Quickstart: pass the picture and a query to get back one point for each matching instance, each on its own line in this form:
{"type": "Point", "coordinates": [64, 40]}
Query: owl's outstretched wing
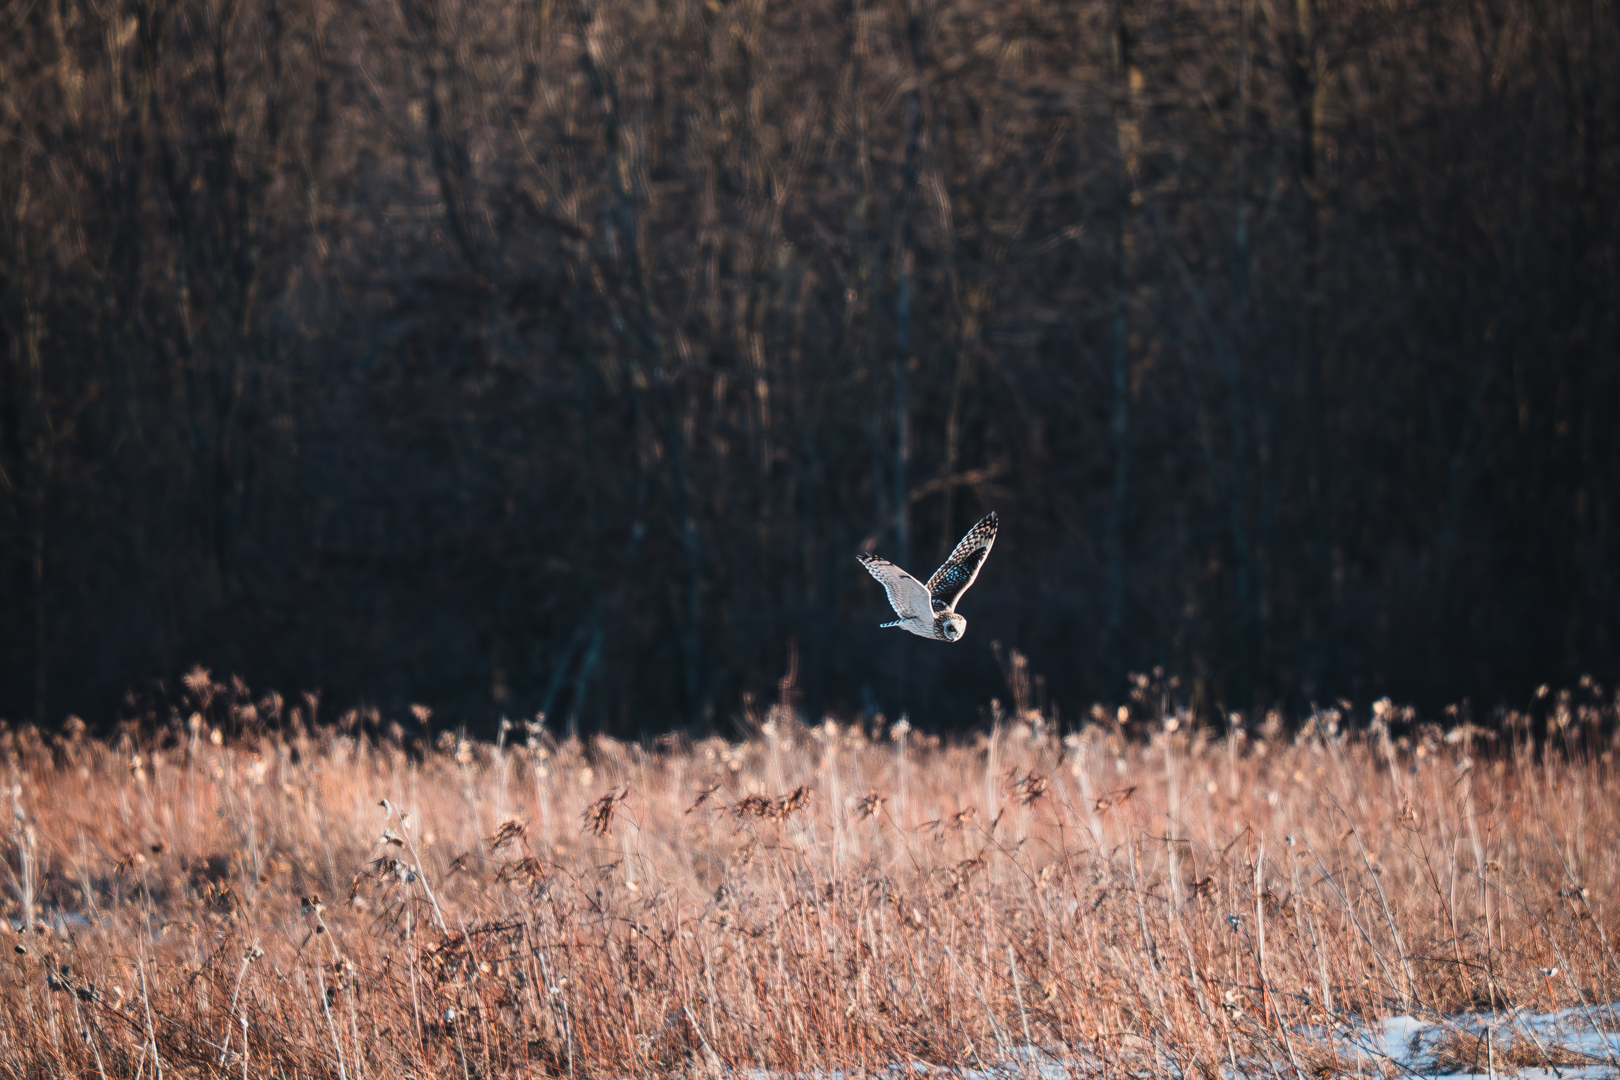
{"type": "Point", "coordinates": [952, 580]}
{"type": "Point", "coordinates": [908, 596]}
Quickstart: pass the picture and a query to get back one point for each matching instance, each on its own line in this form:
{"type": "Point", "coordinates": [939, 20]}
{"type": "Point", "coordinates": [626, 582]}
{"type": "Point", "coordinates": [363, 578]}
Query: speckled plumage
{"type": "Point", "coordinates": [930, 610]}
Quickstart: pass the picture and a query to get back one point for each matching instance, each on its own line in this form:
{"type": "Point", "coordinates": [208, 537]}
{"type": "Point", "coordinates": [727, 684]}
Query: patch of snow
{"type": "Point", "coordinates": [1570, 1044]}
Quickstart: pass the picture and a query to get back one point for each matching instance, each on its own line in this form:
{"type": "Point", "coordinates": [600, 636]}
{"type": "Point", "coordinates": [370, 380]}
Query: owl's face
{"type": "Point", "coordinates": [953, 626]}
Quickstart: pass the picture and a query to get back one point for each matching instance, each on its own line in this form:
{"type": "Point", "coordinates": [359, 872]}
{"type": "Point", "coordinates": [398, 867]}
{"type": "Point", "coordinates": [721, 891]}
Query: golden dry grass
{"type": "Point", "coordinates": [814, 898]}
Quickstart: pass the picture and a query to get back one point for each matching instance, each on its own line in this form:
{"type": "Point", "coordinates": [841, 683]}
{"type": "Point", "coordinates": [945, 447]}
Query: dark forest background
{"type": "Point", "coordinates": [522, 354]}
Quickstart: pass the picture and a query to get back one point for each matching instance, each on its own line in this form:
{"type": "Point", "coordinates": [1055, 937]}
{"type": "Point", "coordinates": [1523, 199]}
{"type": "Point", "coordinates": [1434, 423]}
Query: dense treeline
{"type": "Point", "coordinates": [554, 354]}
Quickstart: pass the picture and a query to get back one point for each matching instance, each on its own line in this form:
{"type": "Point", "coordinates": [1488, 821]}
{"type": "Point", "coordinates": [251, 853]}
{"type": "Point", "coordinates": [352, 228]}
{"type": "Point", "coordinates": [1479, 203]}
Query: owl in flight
{"type": "Point", "coordinates": [930, 610]}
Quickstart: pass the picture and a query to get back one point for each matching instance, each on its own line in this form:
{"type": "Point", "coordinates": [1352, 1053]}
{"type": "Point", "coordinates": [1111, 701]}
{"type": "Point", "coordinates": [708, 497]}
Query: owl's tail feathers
{"type": "Point", "coordinates": [896, 622]}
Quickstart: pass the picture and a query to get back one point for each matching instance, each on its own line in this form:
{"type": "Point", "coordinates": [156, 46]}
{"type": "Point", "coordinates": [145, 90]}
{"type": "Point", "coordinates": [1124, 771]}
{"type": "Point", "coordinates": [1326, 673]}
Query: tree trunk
{"type": "Point", "coordinates": [1128, 82]}
{"type": "Point", "coordinates": [1310, 74]}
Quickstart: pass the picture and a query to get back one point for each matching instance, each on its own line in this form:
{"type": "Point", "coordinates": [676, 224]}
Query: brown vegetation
{"type": "Point", "coordinates": [523, 354]}
{"type": "Point", "coordinates": [328, 903]}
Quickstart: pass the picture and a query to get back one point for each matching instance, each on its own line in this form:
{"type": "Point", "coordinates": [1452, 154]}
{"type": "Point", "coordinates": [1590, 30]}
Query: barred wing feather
{"type": "Point", "coordinates": [950, 581]}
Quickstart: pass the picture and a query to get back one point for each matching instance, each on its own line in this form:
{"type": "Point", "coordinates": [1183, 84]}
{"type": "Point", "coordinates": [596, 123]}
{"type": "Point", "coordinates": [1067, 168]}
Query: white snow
{"type": "Point", "coordinates": [1571, 1044]}
{"type": "Point", "coordinates": [1579, 1042]}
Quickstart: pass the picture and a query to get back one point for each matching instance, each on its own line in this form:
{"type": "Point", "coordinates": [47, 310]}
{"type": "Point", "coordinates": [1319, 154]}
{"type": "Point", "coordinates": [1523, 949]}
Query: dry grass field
{"type": "Point", "coordinates": [1132, 895]}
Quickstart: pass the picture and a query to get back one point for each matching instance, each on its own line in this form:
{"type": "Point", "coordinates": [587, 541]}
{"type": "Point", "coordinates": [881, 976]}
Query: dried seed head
{"type": "Point", "coordinates": [511, 829]}
{"type": "Point", "coordinates": [794, 800]}
{"type": "Point", "coordinates": [702, 797]}
{"type": "Point", "coordinates": [869, 804]}
{"type": "Point", "coordinates": [1033, 787]}
{"type": "Point", "coordinates": [598, 817]}
{"type": "Point", "coordinates": [756, 805]}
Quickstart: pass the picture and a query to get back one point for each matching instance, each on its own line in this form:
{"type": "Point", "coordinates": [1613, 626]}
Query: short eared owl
{"type": "Point", "coordinates": [930, 610]}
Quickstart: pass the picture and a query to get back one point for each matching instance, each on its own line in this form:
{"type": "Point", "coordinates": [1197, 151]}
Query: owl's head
{"type": "Point", "coordinates": [952, 625]}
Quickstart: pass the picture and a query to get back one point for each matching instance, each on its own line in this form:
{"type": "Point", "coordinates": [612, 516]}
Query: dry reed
{"type": "Point", "coordinates": [1134, 895]}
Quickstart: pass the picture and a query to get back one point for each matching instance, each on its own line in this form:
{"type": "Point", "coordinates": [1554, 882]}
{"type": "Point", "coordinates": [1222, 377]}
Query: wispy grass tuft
{"type": "Point", "coordinates": [1137, 894]}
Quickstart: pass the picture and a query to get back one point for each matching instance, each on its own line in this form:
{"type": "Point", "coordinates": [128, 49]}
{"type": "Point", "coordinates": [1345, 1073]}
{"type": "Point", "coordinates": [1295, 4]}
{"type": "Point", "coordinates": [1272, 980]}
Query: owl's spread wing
{"type": "Point", "coordinates": [908, 596]}
{"type": "Point", "coordinates": [952, 580]}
